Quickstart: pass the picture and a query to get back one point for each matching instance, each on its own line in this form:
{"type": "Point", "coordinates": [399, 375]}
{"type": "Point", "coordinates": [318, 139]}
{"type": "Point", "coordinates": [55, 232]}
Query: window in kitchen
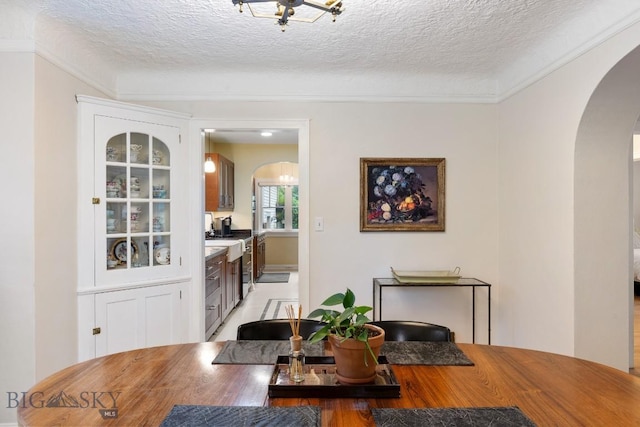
{"type": "Point", "coordinates": [278, 208]}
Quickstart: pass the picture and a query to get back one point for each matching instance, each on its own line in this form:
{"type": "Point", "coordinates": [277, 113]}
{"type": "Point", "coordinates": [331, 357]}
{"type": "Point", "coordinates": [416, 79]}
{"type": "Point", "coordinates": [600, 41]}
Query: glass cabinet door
{"type": "Point", "coordinates": [138, 207]}
{"type": "Point", "coordinates": [135, 219]}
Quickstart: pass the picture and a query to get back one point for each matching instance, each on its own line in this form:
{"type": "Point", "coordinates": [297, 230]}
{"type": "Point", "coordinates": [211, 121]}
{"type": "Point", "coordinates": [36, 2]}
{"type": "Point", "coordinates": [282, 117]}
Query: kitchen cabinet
{"type": "Point", "coordinates": [259, 258]}
{"type": "Point", "coordinates": [132, 233]}
{"type": "Point", "coordinates": [215, 278]}
{"type": "Point", "coordinates": [220, 185]}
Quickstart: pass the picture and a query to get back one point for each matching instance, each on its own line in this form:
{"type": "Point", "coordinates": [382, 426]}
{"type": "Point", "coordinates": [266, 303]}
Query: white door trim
{"type": "Point", "coordinates": [196, 205]}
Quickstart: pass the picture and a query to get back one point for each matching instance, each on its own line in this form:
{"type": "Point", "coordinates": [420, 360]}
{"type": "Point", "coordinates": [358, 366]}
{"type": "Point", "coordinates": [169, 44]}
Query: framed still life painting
{"type": "Point", "coordinates": [402, 194]}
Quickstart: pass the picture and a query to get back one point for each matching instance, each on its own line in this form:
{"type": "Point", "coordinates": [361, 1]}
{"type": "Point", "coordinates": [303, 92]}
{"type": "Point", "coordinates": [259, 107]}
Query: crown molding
{"type": "Point", "coordinates": [425, 99]}
{"type": "Point", "coordinates": [131, 107]}
{"type": "Point", "coordinates": [75, 71]}
{"type": "Point", "coordinates": [595, 41]}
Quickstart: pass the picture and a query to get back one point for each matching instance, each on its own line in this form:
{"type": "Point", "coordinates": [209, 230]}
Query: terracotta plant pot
{"type": "Point", "coordinates": [350, 356]}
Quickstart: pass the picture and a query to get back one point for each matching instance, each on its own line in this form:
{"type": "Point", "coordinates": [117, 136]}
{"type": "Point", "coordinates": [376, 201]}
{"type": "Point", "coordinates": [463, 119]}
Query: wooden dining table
{"type": "Point", "coordinates": [140, 388]}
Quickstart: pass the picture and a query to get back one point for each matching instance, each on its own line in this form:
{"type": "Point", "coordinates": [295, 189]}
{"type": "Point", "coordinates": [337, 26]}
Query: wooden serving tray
{"type": "Point", "coordinates": [320, 380]}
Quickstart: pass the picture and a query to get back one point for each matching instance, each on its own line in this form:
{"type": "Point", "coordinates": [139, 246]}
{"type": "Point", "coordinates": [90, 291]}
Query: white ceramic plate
{"type": "Point", "coordinates": [163, 255]}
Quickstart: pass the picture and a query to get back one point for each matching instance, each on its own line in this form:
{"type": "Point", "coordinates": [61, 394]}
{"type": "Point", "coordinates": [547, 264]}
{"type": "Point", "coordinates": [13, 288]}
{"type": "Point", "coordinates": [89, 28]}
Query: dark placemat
{"type": "Point", "coordinates": [261, 352]}
{"type": "Point", "coordinates": [435, 353]}
{"type": "Point", "coordinates": [454, 417]}
{"type": "Point", "coordinates": [242, 416]}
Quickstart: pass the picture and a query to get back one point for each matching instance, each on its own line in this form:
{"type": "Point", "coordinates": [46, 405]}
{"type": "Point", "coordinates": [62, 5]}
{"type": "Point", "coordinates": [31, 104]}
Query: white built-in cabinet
{"type": "Point", "coordinates": [136, 318]}
{"type": "Point", "coordinates": [132, 236]}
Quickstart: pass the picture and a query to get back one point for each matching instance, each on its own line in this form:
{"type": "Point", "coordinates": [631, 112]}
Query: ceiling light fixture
{"type": "Point", "coordinates": [285, 178]}
{"type": "Point", "coordinates": [266, 134]}
{"type": "Point", "coordinates": [209, 166]}
{"type": "Point", "coordinates": [285, 10]}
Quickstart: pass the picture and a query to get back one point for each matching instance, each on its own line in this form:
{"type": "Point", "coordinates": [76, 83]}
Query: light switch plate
{"type": "Point", "coordinates": [318, 224]}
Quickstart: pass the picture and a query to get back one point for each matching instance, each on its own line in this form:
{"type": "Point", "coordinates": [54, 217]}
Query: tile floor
{"type": "Point", "coordinates": [266, 301]}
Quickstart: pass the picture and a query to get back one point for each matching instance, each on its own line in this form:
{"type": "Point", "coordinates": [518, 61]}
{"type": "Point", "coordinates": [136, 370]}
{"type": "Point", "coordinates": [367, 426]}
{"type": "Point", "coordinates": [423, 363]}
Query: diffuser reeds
{"type": "Point", "coordinates": [296, 355]}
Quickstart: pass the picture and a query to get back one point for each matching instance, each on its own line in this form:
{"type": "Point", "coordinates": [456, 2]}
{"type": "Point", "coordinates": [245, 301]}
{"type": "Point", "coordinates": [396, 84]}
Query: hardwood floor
{"type": "Point", "coordinates": [636, 337]}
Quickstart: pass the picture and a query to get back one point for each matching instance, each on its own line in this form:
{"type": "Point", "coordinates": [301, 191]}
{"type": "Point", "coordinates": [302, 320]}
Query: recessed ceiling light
{"type": "Point", "coordinates": [266, 134]}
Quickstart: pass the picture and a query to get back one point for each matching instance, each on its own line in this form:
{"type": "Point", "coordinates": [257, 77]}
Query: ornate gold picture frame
{"type": "Point", "coordinates": [402, 194]}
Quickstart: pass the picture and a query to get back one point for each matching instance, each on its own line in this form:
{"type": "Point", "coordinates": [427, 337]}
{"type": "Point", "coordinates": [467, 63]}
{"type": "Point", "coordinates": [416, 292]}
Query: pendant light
{"type": "Point", "coordinates": [285, 178]}
{"type": "Point", "coordinates": [209, 166]}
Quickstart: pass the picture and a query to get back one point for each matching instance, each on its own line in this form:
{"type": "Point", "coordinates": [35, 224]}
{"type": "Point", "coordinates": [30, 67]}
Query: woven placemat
{"type": "Point", "coordinates": [242, 416]}
{"type": "Point", "coordinates": [458, 417]}
{"type": "Point", "coordinates": [261, 352]}
{"type": "Point", "coordinates": [435, 353]}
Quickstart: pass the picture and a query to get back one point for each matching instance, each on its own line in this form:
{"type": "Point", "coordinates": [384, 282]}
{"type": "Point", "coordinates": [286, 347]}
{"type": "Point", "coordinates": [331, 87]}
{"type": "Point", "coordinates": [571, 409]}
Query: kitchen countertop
{"type": "Point", "coordinates": [213, 251]}
{"type": "Point", "coordinates": [230, 244]}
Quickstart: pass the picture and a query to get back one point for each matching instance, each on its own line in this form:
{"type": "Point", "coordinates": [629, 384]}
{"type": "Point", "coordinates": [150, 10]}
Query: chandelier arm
{"type": "Point", "coordinates": [322, 7]}
{"type": "Point", "coordinates": [285, 15]}
{"type": "Point", "coordinates": [251, 1]}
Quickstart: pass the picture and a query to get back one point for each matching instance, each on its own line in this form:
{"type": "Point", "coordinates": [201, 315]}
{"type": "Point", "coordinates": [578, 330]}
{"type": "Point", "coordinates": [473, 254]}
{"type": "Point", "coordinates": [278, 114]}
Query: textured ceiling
{"type": "Point", "coordinates": [407, 49]}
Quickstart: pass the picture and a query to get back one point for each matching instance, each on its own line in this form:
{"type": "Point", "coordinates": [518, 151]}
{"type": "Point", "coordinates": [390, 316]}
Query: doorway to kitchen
{"type": "Point", "coordinates": [242, 216]}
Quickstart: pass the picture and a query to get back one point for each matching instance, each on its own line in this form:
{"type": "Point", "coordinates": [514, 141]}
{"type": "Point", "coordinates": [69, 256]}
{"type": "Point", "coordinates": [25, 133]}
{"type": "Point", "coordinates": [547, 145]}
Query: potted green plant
{"type": "Point", "coordinates": [355, 343]}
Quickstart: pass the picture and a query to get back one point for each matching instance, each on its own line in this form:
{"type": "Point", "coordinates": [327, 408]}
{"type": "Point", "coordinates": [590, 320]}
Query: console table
{"type": "Point", "coordinates": [380, 284]}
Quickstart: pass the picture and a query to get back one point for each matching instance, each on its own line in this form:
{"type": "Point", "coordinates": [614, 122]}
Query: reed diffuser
{"type": "Point", "coordinates": [296, 354]}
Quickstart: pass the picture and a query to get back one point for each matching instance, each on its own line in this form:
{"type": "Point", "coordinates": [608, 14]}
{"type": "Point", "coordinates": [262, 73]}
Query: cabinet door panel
{"type": "Point", "coordinates": [213, 312]}
{"type": "Point", "coordinates": [137, 318]}
{"type": "Point", "coordinates": [119, 323]}
{"type": "Point", "coordinates": [219, 185]}
{"type": "Point", "coordinates": [160, 319]}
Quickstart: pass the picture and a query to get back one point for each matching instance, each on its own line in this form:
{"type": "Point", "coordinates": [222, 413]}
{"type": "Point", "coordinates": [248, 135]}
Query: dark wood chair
{"type": "Point", "coordinates": [401, 330]}
{"type": "Point", "coordinates": [275, 329]}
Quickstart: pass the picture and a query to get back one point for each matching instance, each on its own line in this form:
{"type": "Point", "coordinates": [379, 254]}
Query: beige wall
{"type": "Point", "coordinates": [340, 133]}
{"type": "Point", "coordinates": [562, 291]}
{"type": "Point", "coordinates": [17, 252]}
{"type": "Point", "coordinates": [55, 215]}
{"type": "Point", "coordinates": [281, 251]}
{"type": "Point", "coordinates": [38, 307]}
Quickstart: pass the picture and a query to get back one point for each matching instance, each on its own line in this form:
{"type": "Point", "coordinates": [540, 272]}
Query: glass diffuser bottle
{"type": "Point", "coordinates": [296, 359]}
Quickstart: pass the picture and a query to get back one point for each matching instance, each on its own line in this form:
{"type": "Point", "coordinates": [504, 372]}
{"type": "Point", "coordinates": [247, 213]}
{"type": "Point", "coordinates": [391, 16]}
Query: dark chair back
{"type": "Point", "coordinates": [275, 329]}
{"type": "Point", "coordinates": [400, 330]}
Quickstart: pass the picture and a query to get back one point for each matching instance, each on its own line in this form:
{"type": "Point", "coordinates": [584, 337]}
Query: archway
{"type": "Point", "coordinates": [602, 217]}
